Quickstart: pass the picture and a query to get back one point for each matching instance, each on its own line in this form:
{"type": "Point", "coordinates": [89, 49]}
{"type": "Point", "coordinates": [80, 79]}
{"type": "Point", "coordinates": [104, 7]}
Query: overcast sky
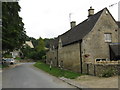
{"type": "Point", "coordinates": [50, 18]}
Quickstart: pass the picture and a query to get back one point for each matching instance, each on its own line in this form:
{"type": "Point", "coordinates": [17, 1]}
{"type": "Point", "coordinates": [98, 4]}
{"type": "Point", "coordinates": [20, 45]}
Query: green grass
{"type": "Point", "coordinates": [4, 66]}
{"type": "Point", "coordinates": [0, 65]}
{"type": "Point", "coordinates": [56, 71]}
{"type": "Point", "coordinates": [18, 58]}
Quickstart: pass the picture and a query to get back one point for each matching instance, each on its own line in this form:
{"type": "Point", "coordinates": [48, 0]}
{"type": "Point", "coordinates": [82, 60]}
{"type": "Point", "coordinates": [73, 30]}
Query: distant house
{"type": "Point", "coordinates": [29, 43]}
{"type": "Point", "coordinates": [92, 40]}
{"type": "Point", "coordinates": [17, 53]}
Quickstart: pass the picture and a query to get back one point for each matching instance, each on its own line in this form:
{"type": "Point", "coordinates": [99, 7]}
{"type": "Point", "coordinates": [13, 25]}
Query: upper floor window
{"type": "Point", "coordinates": [108, 37]}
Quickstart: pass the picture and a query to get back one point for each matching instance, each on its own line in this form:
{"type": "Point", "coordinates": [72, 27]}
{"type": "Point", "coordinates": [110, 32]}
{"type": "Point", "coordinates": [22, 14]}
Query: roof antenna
{"type": "Point", "coordinates": [112, 4]}
{"type": "Point", "coordinates": [70, 17]}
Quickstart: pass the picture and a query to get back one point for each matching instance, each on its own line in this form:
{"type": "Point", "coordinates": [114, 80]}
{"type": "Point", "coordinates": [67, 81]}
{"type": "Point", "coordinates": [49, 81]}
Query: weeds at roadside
{"type": "Point", "coordinates": [55, 71]}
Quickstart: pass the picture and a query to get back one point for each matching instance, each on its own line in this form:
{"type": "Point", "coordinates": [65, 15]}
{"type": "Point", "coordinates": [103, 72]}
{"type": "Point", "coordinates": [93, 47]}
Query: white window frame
{"type": "Point", "coordinates": [108, 37]}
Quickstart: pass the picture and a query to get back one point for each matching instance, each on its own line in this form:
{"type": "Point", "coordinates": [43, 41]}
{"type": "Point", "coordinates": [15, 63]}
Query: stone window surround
{"type": "Point", "coordinates": [108, 37]}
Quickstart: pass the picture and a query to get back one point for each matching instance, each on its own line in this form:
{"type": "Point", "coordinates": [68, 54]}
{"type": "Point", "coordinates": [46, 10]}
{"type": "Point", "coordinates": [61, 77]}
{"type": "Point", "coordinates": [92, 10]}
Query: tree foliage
{"type": "Point", "coordinates": [36, 53]}
{"type": "Point", "coordinates": [13, 33]}
{"type": "Point", "coordinates": [47, 42]}
{"type": "Point", "coordinates": [39, 50]}
{"type": "Point", "coordinates": [41, 45]}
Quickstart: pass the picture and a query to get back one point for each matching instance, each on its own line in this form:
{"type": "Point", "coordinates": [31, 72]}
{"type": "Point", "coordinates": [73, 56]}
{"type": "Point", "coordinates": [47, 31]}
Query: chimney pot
{"type": "Point", "coordinates": [90, 12]}
{"type": "Point", "coordinates": [73, 24]}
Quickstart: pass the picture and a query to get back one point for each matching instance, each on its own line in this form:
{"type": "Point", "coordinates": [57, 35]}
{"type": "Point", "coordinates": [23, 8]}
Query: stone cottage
{"type": "Point", "coordinates": [93, 40]}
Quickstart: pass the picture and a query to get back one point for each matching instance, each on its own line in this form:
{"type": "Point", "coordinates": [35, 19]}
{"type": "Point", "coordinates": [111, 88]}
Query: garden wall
{"type": "Point", "coordinates": [101, 69]}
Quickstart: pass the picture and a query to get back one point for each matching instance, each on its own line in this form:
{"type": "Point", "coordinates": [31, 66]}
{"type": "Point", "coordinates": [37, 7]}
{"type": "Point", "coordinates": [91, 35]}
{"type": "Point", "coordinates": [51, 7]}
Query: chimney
{"type": "Point", "coordinates": [73, 24]}
{"type": "Point", "coordinates": [90, 12]}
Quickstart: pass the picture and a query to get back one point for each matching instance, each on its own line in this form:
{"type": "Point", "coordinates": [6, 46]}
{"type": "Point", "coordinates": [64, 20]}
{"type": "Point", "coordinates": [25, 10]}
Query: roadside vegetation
{"type": "Point", "coordinates": [56, 71]}
{"type": "Point", "coordinates": [39, 51]}
{"type": "Point", "coordinates": [0, 65]}
{"type": "Point", "coordinates": [17, 58]}
{"type": "Point", "coordinates": [4, 66]}
{"type": "Point", "coordinates": [14, 35]}
{"type": "Point", "coordinates": [108, 73]}
{"type": "Point", "coordinates": [13, 31]}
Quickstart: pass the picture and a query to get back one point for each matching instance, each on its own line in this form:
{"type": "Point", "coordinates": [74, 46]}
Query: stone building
{"type": "Point", "coordinates": [18, 53]}
{"type": "Point", "coordinates": [95, 39]}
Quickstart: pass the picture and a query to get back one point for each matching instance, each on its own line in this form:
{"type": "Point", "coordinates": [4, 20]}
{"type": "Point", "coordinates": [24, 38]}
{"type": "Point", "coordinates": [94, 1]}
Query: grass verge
{"type": "Point", "coordinates": [56, 71]}
{"type": "Point", "coordinates": [17, 58]}
{"type": "Point", "coordinates": [3, 66]}
{"type": "Point", "coordinates": [0, 65]}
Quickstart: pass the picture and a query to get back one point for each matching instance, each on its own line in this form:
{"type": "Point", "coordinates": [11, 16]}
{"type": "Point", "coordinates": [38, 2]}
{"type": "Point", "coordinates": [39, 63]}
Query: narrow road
{"type": "Point", "coordinates": [27, 76]}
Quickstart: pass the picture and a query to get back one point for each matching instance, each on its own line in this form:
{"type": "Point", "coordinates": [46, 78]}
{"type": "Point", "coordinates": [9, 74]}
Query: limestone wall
{"type": "Point", "coordinates": [100, 69]}
{"type": "Point", "coordinates": [94, 45]}
{"type": "Point", "coordinates": [70, 56]}
{"type": "Point", "coordinates": [52, 56]}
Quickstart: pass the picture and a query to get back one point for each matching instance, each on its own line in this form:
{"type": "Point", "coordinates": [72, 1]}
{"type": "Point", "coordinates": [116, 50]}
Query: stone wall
{"type": "Point", "coordinates": [94, 45]}
{"type": "Point", "coordinates": [52, 56]}
{"type": "Point", "coordinates": [100, 69]}
{"type": "Point", "coordinates": [70, 57]}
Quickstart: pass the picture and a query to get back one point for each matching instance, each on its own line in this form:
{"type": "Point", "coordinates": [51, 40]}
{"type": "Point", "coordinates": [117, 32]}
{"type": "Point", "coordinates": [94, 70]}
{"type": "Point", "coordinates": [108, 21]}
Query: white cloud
{"type": "Point", "coordinates": [50, 18]}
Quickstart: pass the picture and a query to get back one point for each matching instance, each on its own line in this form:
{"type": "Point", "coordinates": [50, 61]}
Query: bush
{"type": "Point", "coordinates": [7, 55]}
{"type": "Point", "coordinates": [18, 58]}
{"type": "Point", "coordinates": [31, 53]}
{"type": "Point", "coordinates": [4, 65]}
{"type": "Point", "coordinates": [108, 73]}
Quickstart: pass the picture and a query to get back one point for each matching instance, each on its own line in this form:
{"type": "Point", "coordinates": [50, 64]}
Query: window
{"type": "Point", "coordinates": [108, 37]}
{"type": "Point", "coordinates": [100, 59]}
{"type": "Point", "coordinates": [106, 12]}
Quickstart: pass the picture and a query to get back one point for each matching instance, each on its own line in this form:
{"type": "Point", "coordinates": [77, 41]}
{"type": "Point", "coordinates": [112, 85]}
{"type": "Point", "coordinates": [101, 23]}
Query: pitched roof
{"type": "Point", "coordinates": [54, 42]}
{"type": "Point", "coordinates": [78, 32]}
{"type": "Point", "coordinates": [118, 24]}
{"type": "Point", "coordinates": [29, 43]}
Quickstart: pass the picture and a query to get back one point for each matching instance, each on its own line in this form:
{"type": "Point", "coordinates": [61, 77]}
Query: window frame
{"type": "Point", "coordinates": [108, 37]}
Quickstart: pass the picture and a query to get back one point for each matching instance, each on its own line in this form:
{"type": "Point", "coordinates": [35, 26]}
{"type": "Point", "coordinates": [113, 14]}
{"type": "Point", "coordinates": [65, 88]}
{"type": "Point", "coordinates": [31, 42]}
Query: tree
{"type": "Point", "coordinates": [47, 42]}
{"type": "Point", "coordinates": [13, 32]}
{"type": "Point", "coordinates": [41, 45]}
{"type": "Point", "coordinates": [36, 53]}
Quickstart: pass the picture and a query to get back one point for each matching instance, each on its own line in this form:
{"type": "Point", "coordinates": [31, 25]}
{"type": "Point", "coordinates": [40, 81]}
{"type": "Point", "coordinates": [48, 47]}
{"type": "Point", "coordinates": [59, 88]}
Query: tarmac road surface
{"type": "Point", "coordinates": [27, 76]}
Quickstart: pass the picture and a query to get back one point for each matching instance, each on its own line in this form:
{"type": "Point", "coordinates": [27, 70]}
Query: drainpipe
{"type": "Point", "coordinates": [80, 56]}
{"type": "Point", "coordinates": [110, 55]}
{"type": "Point", "coordinates": [109, 50]}
{"type": "Point", "coordinates": [57, 57]}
